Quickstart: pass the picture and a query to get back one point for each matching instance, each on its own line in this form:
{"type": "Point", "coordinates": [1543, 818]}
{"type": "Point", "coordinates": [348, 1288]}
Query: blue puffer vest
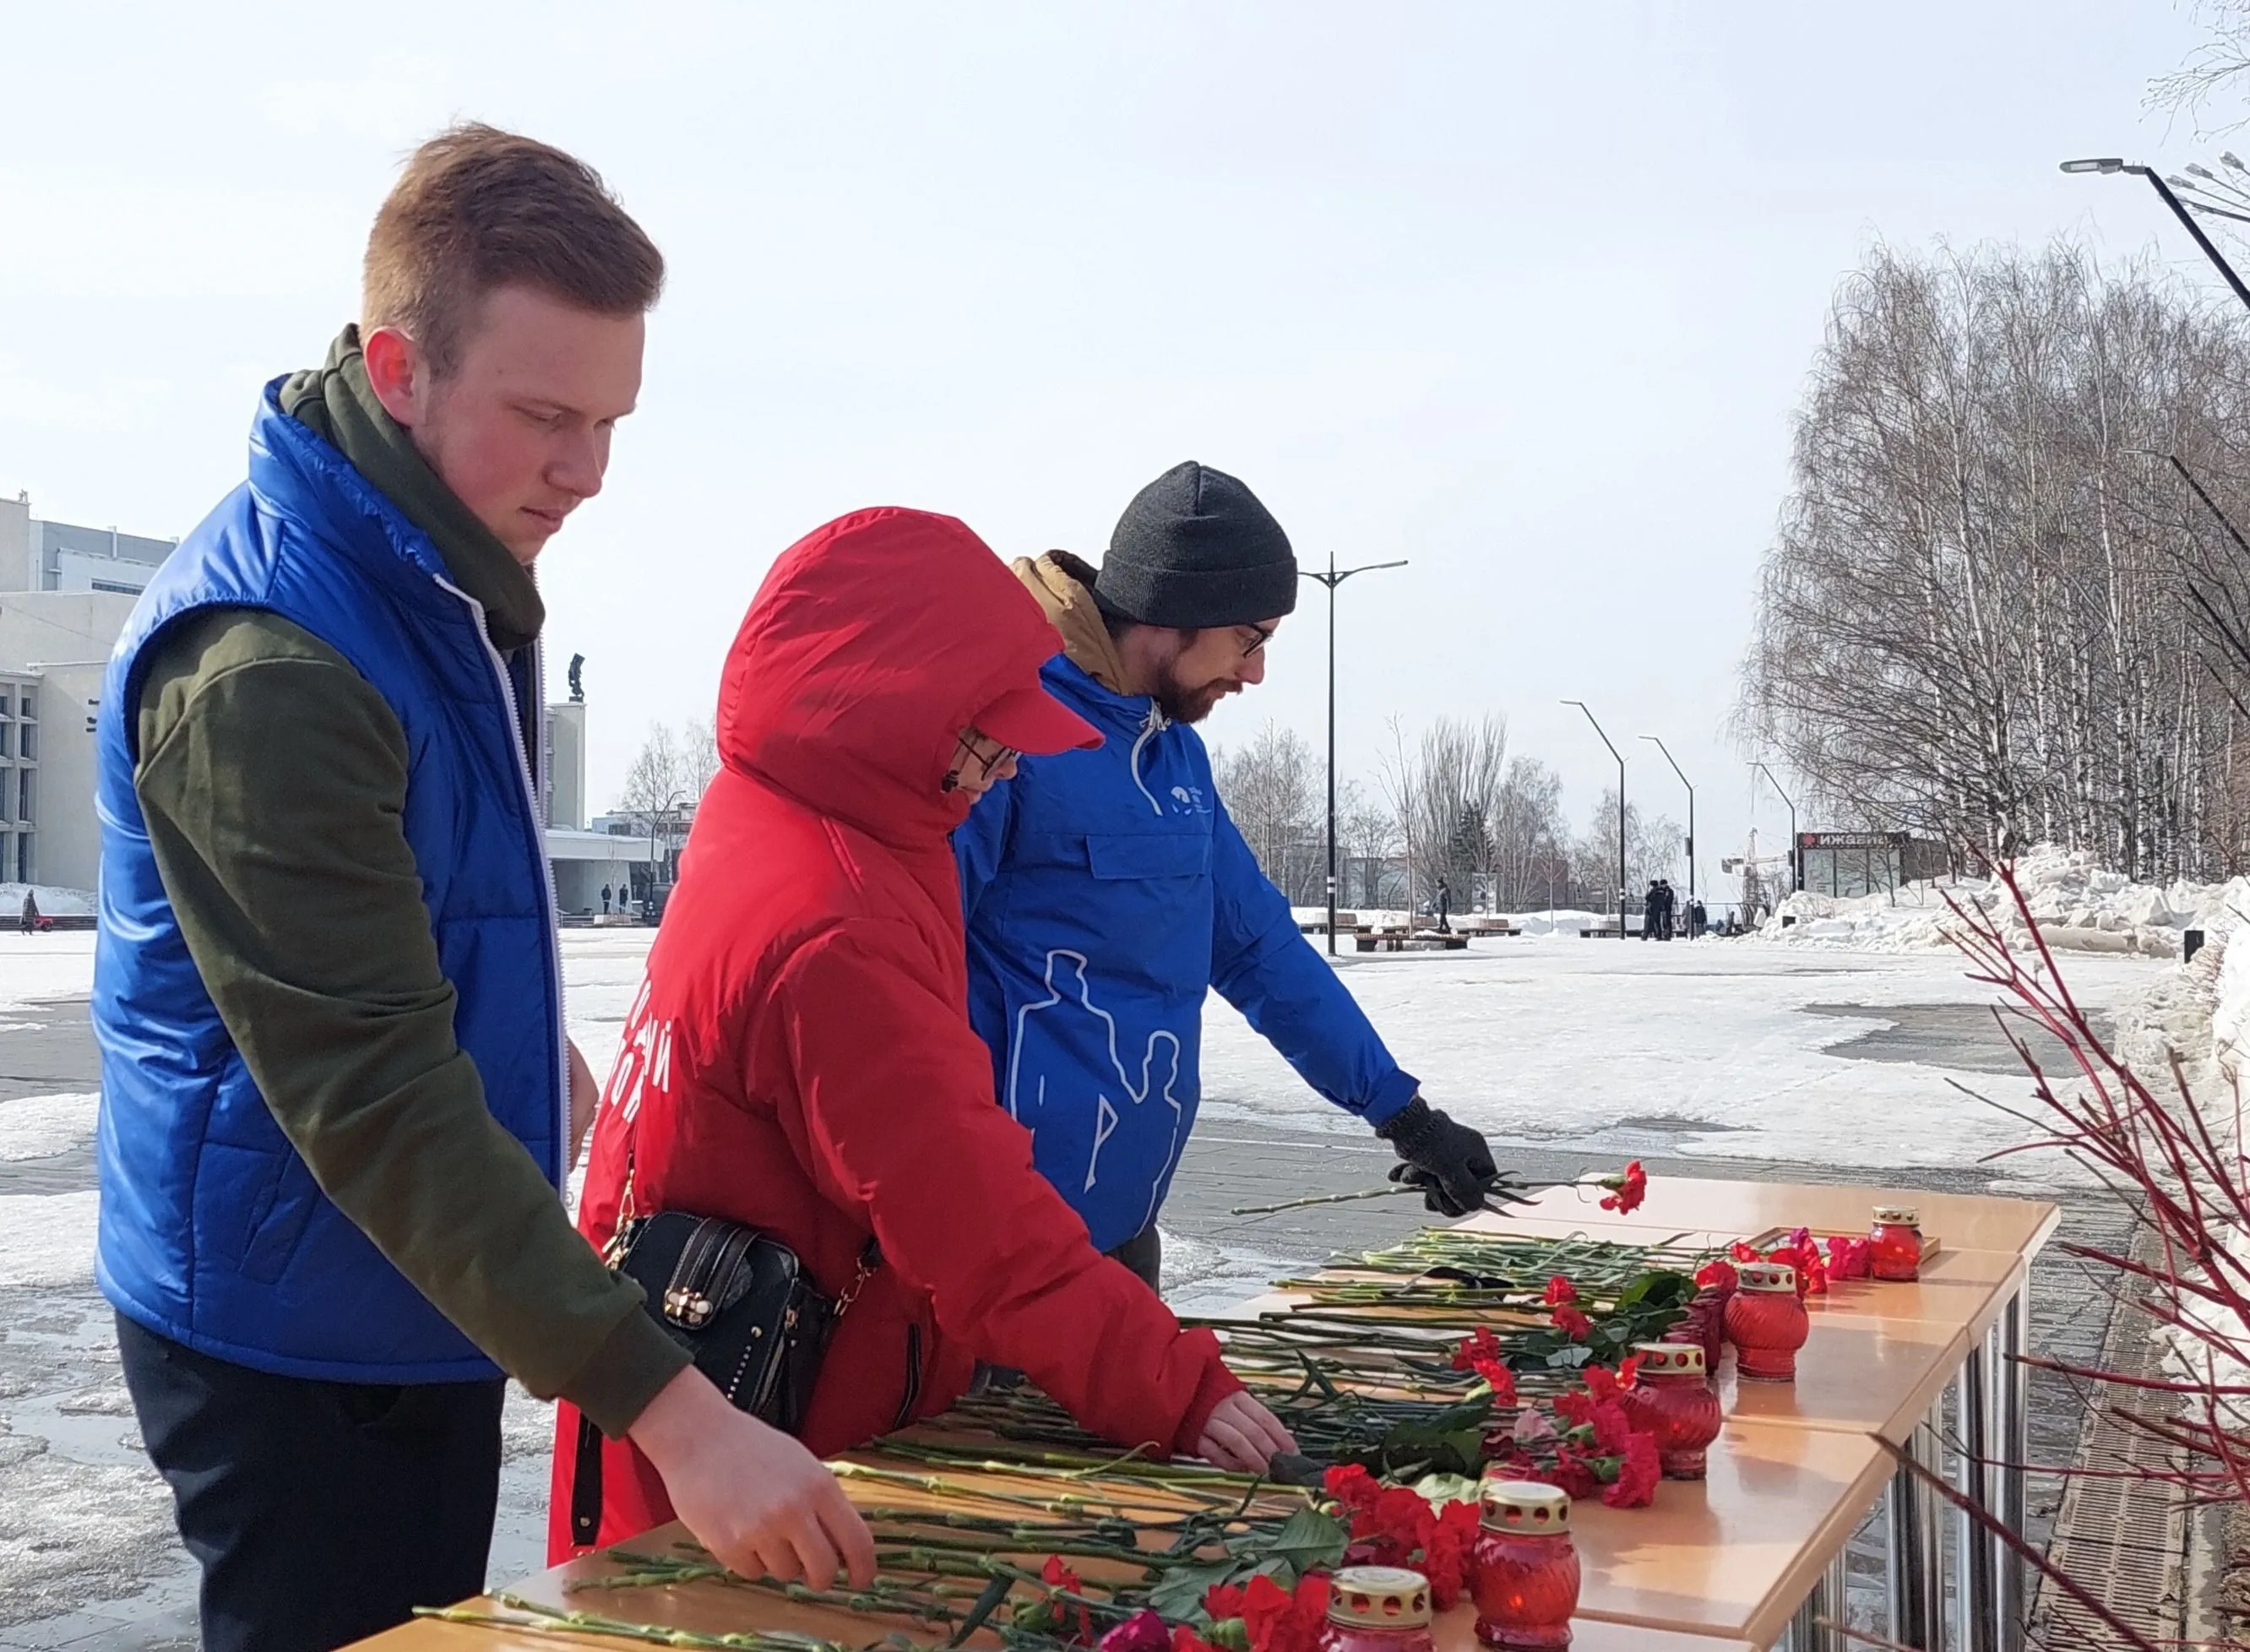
{"type": "Point", "coordinates": [212, 1231]}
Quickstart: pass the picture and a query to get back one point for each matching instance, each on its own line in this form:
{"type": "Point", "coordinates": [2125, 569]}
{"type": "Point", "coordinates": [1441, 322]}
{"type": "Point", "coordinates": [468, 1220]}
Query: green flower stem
{"type": "Point", "coordinates": [554, 1621]}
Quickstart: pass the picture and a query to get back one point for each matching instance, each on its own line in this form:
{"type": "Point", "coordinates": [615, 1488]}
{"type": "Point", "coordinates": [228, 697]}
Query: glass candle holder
{"type": "Point", "coordinates": [1705, 1326]}
{"type": "Point", "coordinates": [1895, 1239]}
{"type": "Point", "coordinates": [1767, 1322]}
{"type": "Point", "coordinates": [1525, 1580]}
{"type": "Point", "coordinates": [1672, 1399]}
{"type": "Point", "coordinates": [1378, 1609]}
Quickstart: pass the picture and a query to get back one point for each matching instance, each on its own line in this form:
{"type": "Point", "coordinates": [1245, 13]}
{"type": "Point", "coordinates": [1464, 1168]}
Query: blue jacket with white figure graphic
{"type": "Point", "coordinates": [1107, 893]}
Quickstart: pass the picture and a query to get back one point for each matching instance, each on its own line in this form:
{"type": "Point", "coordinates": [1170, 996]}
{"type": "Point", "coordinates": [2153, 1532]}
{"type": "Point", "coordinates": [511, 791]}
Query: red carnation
{"type": "Point", "coordinates": [1630, 1189]}
{"type": "Point", "coordinates": [1850, 1258]}
{"type": "Point", "coordinates": [1481, 1353]}
{"type": "Point", "coordinates": [1280, 1621]}
{"type": "Point", "coordinates": [1720, 1274]}
{"type": "Point", "coordinates": [1064, 1580]}
{"type": "Point", "coordinates": [1144, 1632]}
{"type": "Point", "coordinates": [1559, 1291]}
{"type": "Point", "coordinates": [1604, 1383]}
{"type": "Point", "coordinates": [1446, 1552]}
{"type": "Point", "coordinates": [1638, 1472]}
{"type": "Point", "coordinates": [1572, 1323]}
{"type": "Point", "coordinates": [1352, 1486]}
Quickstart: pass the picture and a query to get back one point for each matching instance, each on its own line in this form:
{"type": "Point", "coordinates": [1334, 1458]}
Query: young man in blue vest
{"type": "Point", "coordinates": [338, 1101]}
{"type": "Point", "coordinates": [1108, 893]}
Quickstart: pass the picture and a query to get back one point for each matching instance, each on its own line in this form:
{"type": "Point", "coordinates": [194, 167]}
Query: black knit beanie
{"type": "Point", "coordinates": [1195, 548]}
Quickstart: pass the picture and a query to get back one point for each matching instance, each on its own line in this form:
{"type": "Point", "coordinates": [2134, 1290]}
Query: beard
{"type": "Point", "coordinates": [1183, 702]}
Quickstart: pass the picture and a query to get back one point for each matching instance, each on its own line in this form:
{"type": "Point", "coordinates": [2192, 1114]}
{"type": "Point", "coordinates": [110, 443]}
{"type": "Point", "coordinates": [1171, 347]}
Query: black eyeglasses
{"type": "Point", "coordinates": [964, 750]}
{"type": "Point", "coordinates": [1258, 640]}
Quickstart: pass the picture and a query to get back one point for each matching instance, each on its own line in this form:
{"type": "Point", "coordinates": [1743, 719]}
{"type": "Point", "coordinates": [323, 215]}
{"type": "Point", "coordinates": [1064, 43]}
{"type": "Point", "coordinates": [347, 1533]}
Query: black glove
{"type": "Point", "coordinates": [1449, 1162]}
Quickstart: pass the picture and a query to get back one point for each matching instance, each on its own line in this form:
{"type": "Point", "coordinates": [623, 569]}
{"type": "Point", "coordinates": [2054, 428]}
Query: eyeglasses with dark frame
{"type": "Point", "coordinates": [967, 747]}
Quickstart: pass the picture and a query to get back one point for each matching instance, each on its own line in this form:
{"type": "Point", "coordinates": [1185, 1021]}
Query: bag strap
{"type": "Point", "coordinates": [871, 1258]}
{"type": "Point", "coordinates": [586, 1486]}
{"type": "Point", "coordinates": [586, 1474]}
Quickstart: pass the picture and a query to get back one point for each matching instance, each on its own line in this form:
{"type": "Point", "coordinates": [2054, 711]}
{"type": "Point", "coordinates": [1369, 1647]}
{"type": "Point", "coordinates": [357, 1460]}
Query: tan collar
{"type": "Point", "coordinates": [1064, 587]}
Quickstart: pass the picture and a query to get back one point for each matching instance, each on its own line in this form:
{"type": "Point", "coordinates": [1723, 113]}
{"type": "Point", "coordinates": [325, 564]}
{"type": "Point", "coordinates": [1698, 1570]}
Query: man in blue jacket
{"type": "Point", "coordinates": [1107, 892]}
{"type": "Point", "coordinates": [338, 1101]}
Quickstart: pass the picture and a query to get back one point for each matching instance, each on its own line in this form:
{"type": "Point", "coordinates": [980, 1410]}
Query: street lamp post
{"type": "Point", "coordinates": [1796, 855]}
{"type": "Point", "coordinates": [2111, 163]}
{"type": "Point", "coordinates": [1332, 578]}
{"type": "Point", "coordinates": [1619, 756]}
{"type": "Point", "coordinates": [1684, 781]}
{"type": "Point", "coordinates": [667, 815]}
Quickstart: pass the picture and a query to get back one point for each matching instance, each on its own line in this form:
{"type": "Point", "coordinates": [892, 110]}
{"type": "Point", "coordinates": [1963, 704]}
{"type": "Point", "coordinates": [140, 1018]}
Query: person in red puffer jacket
{"type": "Point", "coordinates": [800, 1059]}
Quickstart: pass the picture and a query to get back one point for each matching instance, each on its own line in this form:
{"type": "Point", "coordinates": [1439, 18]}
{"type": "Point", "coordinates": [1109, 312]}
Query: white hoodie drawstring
{"type": "Point", "coordinates": [1149, 729]}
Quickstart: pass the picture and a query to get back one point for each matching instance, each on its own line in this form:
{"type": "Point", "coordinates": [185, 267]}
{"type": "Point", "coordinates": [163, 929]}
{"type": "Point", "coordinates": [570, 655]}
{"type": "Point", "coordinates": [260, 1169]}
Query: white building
{"type": "Point", "coordinates": [44, 556]}
{"type": "Point", "coordinates": [66, 593]}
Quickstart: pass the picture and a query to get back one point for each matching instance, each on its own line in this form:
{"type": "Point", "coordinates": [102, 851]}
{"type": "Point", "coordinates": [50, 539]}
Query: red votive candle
{"type": "Point", "coordinates": [1767, 1322]}
{"type": "Point", "coordinates": [1525, 1574]}
{"type": "Point", "coordinates": [1896, 1241]}
{"type": "Point", "coordinates": [1672, 1399]}
{"type": "Point", "coordinates": [1378, 1609]}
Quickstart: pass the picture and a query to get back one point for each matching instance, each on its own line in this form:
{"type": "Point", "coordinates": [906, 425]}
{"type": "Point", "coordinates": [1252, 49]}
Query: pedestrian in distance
{"type": "Point", "coordinates": [800, 1060]}
{"type": "Point", "coordinates": [28, 918]}
{"type": "Point", "coordinates": [606, 899]}
{"type": "Point", "coordinates": [337, 1097]}
{"type": "Point", "coordinates": [1108, 893]}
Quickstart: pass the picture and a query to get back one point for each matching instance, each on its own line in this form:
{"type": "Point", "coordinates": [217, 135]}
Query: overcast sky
{"type": "Point", "coordinates": [1524, 296]}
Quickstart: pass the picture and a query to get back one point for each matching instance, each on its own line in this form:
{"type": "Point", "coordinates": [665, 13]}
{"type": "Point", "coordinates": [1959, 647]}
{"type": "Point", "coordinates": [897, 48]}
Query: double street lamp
{"type": "Point", "coordinates": [1332, 578]}
{"type": "Point", "coordinates": [2111, 164]}
{"type": "Point", "coordinates": [1619, 756]}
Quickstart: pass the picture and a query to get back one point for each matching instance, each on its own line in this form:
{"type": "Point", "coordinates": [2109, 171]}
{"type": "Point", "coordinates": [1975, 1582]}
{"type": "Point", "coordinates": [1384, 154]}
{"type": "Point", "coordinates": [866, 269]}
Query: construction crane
{"type": "Point", "coordinates": [1754, 894]}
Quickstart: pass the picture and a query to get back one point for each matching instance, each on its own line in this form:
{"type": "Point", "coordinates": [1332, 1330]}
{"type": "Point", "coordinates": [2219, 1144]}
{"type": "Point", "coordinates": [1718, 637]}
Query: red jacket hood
{"type": "Point", "coordinates": [873, 642]}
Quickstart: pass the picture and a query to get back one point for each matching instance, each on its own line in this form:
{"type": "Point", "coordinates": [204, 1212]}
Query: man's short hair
{"type": "Point", "coordinates": [478, 209]}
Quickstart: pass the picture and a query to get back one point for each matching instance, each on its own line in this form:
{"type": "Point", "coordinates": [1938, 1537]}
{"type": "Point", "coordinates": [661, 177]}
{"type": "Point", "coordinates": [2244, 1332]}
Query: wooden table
{"type": "Point", "coordinates": [1973, 1297]}
{"type": "Point", "coordinates": [1713, 1566]}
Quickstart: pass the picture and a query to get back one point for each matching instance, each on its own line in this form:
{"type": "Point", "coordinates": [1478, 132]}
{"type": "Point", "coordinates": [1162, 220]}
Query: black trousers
{"type": "Point", "coordinates": [320, 1512]}
{"type": "Point", "coordinates": [1145, 1254]}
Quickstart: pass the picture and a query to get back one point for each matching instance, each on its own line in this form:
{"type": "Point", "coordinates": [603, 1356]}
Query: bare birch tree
{"type": "Point", "coordinates": [660, 785]}
{"type": "Point", "coordinates": [1974, 621]}
{"type": "Point", "coordinates": [1275, 790]}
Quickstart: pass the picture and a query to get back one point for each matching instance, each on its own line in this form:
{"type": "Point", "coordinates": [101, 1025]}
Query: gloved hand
{"type": "Point", "coordinates": [1449, 1162]}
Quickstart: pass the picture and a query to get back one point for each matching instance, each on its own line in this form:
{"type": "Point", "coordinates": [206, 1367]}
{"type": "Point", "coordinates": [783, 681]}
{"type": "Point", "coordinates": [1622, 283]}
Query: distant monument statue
{"type": "Point", "coordinates": [578, 688]}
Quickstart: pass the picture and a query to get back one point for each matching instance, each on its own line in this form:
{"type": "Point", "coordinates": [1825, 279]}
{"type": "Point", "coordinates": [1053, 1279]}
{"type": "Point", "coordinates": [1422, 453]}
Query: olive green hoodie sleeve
{"type": "Point", "coordinates": [272, 778]}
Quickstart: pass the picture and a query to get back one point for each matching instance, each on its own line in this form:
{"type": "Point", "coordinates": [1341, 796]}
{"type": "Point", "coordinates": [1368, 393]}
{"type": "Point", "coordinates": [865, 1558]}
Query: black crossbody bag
{"type": "Point", "coordinates": [742, 1306]}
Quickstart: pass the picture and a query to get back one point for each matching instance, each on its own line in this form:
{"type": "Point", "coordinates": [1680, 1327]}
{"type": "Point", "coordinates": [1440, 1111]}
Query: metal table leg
{"type": "Point", "coordinates": [2011, 1438]}
{"type": "Point", "coordinates": [1826, 1600]}
{"type": "Point", "coordinates": [1976, 1601]}
{"type": "Point", "coordinates": [1915, 1581]}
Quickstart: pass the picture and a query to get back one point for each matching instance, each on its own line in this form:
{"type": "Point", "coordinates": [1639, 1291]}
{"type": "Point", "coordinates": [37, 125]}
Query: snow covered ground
{"type": "Point", "coordinates": [1706, 1044]}
{"type": "Point", "coordinates": [1714, 1051]}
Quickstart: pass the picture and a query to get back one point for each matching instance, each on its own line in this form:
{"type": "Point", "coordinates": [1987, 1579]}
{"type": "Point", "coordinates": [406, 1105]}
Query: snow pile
{"type": "Point", "coordinates": [2078, 905]}
{"type": "Point", "coordinates": [42, 1126]}
{"type": "Point", "coordinates": [1562, 922]}
{"type": "Point", "coordinates": [2230, 1011]}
